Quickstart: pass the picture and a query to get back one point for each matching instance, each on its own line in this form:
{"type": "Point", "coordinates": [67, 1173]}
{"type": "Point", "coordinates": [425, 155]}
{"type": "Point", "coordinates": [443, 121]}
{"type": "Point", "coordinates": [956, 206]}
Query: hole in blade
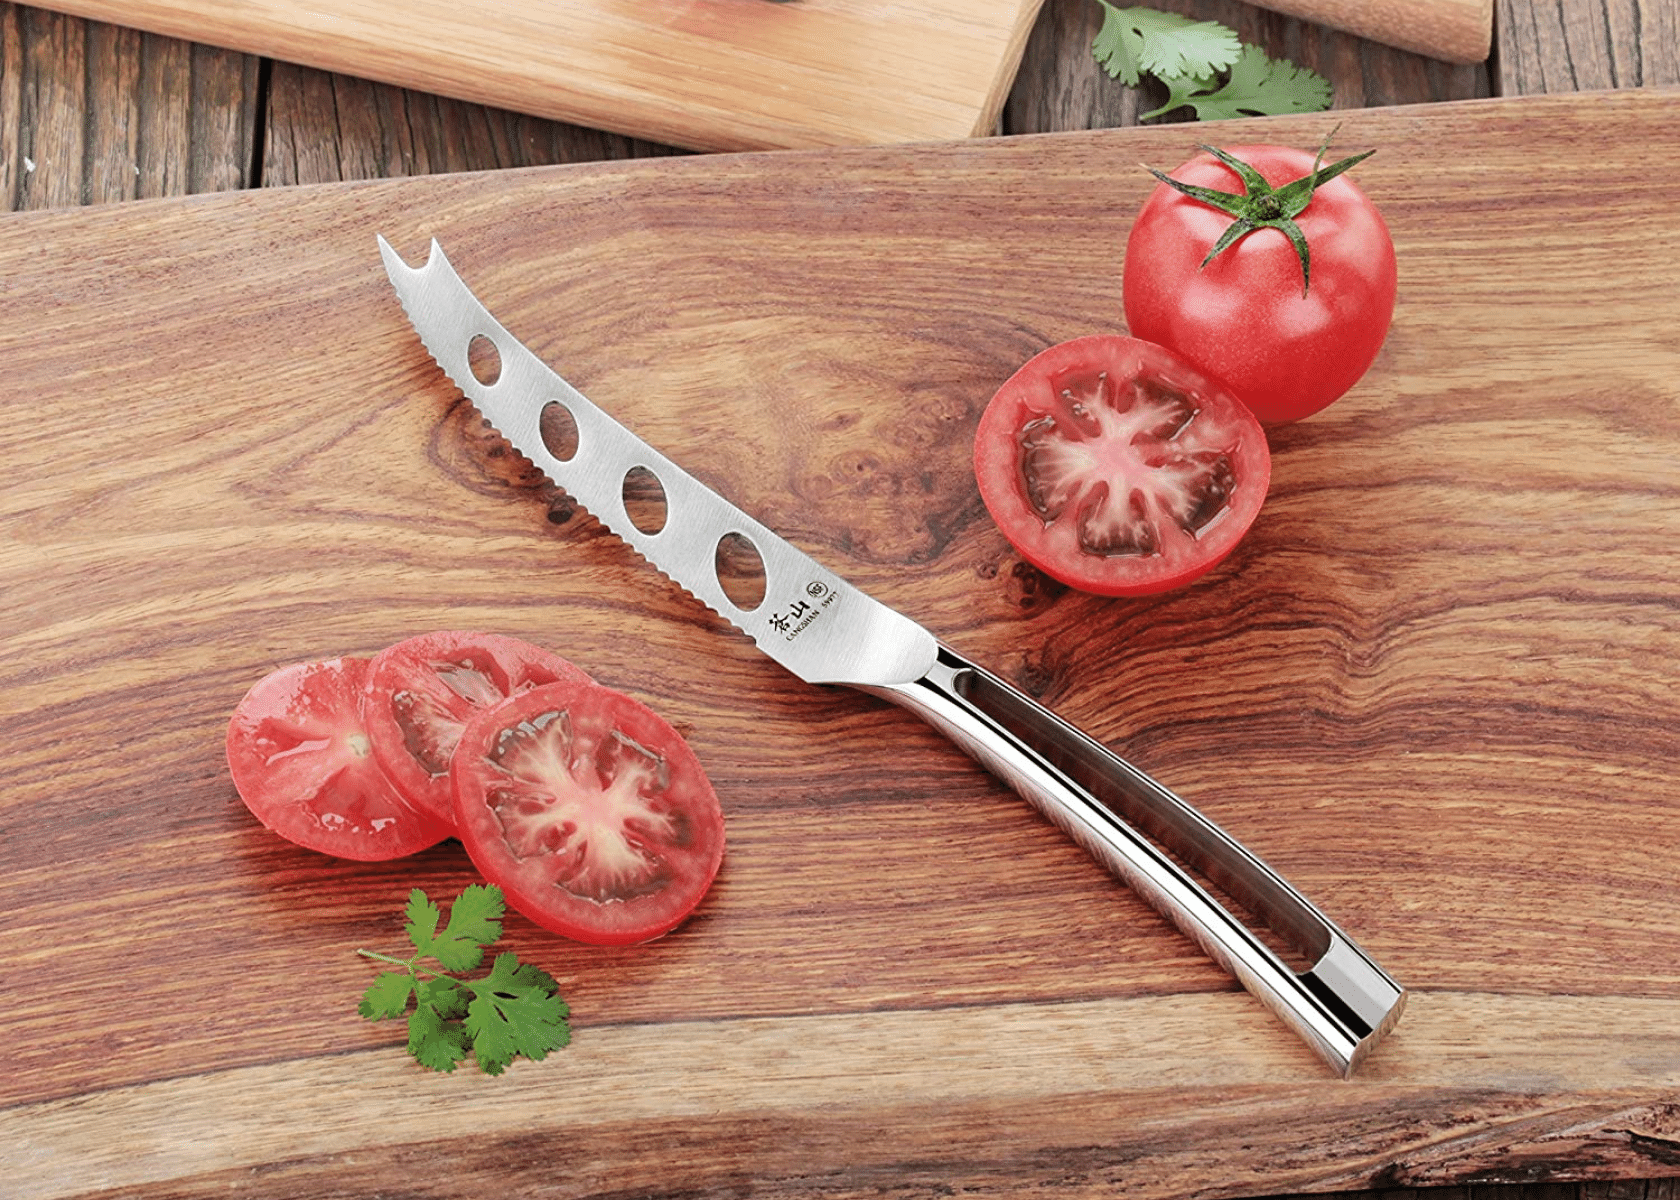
{"type": "Point", "coordinates": [740, 571]}
{"type": "Point", "coordinates": [644, 500]}
{"type": "Point", "coordinates": [559, 431]}
{"type": "Point", "coordinates": [484, 360]}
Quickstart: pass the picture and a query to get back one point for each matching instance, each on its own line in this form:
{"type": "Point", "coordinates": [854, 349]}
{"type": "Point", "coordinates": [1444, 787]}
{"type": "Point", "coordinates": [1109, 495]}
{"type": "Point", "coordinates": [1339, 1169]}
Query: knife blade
{"type": "Point", "coordinates": [826, 631]}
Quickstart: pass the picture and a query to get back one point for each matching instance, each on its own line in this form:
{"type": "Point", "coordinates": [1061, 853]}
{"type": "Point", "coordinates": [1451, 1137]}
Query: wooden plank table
{"type": "Point", "coordinates": [92, 113]}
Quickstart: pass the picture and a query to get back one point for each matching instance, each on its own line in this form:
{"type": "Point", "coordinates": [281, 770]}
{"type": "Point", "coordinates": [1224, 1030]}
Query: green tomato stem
{"type": "Point", "coordinates": [1261, 206]}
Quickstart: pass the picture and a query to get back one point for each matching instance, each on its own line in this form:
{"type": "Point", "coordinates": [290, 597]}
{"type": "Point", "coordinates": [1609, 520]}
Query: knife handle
{"type": "Point", "coordinates": [1341, 1002]}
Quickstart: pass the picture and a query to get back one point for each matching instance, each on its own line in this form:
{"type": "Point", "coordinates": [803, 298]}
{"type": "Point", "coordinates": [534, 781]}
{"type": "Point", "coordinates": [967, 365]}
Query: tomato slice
{"type": "Point", "coordinates": [589, 811]}
{"type": "Point", "coordinates": [422, 692]}
{"type": "Point", "coordinates": [1117, 468]}
{"type": "Point", "coordinates": [301, 760]}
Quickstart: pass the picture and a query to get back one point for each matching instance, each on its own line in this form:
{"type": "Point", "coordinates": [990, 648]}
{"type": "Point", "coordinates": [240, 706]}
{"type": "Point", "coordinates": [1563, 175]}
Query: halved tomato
{"type": "Point", "coordinates": [301, 760]}
{"type": "Point", "coordinates": [421, 693]}
{"type": "Point", "coordinates": [1117, 468]}
{"type": "Point", "coordinates": [589, 811]}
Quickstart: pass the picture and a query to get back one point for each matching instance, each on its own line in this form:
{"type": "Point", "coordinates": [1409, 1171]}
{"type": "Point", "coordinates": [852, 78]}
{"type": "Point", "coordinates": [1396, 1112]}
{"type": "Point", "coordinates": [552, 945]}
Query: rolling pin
{"type": "Point", "coordinates": [1455, 31]}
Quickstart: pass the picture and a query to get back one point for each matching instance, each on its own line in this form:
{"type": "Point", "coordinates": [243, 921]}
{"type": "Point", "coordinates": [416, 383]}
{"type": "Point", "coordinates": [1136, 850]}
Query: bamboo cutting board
{"type": "Point", "coordinates": [705, 74]}
{"type": "Point", "coordinates": [1434, 687]}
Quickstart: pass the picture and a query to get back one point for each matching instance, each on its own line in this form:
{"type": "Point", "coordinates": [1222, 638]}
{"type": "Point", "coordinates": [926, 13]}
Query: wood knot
{"type": "Point", "coordinates": [1025, 588]}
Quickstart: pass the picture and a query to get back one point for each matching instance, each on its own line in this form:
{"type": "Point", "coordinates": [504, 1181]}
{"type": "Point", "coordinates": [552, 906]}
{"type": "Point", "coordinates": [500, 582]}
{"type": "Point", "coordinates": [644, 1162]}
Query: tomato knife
{"type": "Point", "coordinates": [824, 630]}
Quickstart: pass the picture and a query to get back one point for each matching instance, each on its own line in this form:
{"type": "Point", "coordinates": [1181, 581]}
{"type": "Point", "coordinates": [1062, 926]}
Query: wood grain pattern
{"type": "Point", "coordinates": [1433, 687]}
{"type": "Point", "coordinates": [1455, 31]}
{"type": "Point", "coordinates": [705, 74]}
{"type": "Point", "coordinates": [324, 128]}
{"type": "Point", "coordinates": [1575, 45]}
{"type": "Point", "coordinates": [949, 1086]}
{"type": "Point", "coordinates": [1059, 88]}
{"type": "Point", "coordinates": [95, 113]}
{"type": "Point", "coordinates": [195, 108]}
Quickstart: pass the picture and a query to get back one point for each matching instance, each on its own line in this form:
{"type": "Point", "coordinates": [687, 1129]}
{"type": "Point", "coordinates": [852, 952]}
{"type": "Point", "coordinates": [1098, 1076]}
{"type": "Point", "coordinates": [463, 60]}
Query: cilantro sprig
{"type": "Point", "coordinates": [1203, 65]}
{"type": "Point", "coordinates": [514, 1010]}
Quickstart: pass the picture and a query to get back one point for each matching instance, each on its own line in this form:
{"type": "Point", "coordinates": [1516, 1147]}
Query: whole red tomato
{"type": "Point", "coordinates": [1286, 341]}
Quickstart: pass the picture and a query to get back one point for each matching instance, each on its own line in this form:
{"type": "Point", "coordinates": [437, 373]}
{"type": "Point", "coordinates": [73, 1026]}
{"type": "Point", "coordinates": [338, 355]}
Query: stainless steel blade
{"type": "Point", "coordinates": [810, 620]}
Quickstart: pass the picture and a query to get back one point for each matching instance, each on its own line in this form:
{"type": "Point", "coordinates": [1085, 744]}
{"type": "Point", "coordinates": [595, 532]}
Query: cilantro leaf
{"type": "Point", "coordinates": [388, 996]}
{"type": "Point", "coordinates": [513, 1013]}
{"type": "Point", "coordinates": [423, 919]}
{"type": "Point", "coordinates": [445, 996]}
{"type": "Point", "coordinates": [1258, 86]}
{"type": "Point", "coordinates": [1134, 41]}
{"type": "Point", "coordinates": [514, 1010]}
{"type": "Point", "coordinates": [510, 976]}
{"type": "Point", "coordinates": [475, 920]}
{"type": "Point", "coordinates": [1179, 93]}
{"type": "Point", "coordinates": [434, 1042]}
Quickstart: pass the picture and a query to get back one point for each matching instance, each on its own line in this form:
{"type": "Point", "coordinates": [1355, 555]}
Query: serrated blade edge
{"type": "Point", "coordinates": [810, 620]}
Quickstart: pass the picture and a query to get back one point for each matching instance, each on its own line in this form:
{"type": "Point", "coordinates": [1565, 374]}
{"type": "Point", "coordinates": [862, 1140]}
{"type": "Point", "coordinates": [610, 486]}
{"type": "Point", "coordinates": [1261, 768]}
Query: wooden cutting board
{"type": "Point", "coordinates": [705, 74]}
{"type": "Point", "coordinates": [1434, 687]}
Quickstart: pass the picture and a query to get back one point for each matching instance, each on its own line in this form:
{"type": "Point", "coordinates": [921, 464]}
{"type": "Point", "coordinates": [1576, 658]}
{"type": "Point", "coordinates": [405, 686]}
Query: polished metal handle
{"type": "Point", "coordinates": [1342, 1003]}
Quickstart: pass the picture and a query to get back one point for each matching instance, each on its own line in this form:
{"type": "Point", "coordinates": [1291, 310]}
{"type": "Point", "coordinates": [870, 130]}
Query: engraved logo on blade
{"type": "Point", "coordinates": [797, 617]}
